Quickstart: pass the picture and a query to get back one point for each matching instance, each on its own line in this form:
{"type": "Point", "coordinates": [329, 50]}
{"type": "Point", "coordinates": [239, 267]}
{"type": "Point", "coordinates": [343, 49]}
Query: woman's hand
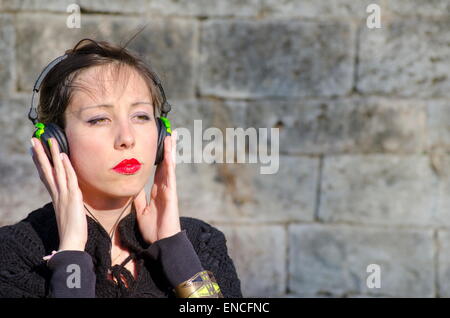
{"type": "Point", "coordinates": [62, 184]}
{"type": "Point", "coordinates": [160, 218]}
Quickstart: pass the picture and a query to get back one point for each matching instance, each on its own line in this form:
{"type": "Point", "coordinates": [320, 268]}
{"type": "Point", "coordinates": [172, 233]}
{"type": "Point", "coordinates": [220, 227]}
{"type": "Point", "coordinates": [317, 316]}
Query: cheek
{"type": "Point", "coordinates": [150, 142]}
{"type": "Point", "coordinates": [86, 156]}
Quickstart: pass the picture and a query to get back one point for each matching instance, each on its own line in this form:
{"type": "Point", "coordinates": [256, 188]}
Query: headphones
{"type": "Point", "coordinates": [51, 130]}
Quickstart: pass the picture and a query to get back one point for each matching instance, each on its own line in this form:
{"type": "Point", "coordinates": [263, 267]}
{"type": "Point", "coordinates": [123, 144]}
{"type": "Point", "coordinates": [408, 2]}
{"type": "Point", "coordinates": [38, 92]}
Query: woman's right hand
{"type": "Point", "coordinates": [62, 184]}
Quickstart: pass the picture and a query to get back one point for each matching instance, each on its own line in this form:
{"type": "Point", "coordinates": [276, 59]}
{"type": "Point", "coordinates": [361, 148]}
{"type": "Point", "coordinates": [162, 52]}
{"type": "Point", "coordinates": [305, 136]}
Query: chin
{"type": "Point", "coordinates": [117, 193]}
{"type": "Point", "coordinates": [128, 187]}
{"type": "Point", "coordinates": [125, 189]}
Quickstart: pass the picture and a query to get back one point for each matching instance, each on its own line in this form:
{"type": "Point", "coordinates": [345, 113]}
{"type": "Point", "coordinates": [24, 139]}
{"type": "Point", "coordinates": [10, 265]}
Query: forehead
{"type": "Point", "coordinates": [107, 83]}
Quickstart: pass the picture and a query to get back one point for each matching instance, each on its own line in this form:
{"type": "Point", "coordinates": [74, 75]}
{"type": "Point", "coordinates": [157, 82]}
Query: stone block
{"type": "Point", "coordinates": [238, 192]}
{"type": "Point", "coordinates": [439, 124]}
{"type": "Point", "coordinates": [353, 125]}
{"type": "Point", "coordinates": [333, 260]}
{"type": "Point", "coordinates": [259, 257]}
{"type": "Point", "coordinates": [405, 58]}
{"type": "Point", "coordinates": [380, 189]}
{"type": "Point", "coordinates": [164, 43]}
{"type": "Point", "coordinates": [443, 239]}
{"type": "Point", "coordinates": [275, 58]}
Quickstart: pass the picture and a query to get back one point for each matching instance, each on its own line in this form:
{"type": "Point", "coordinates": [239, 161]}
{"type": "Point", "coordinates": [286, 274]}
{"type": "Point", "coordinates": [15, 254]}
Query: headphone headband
{"type": "Point", "coordinates": [165, 107]}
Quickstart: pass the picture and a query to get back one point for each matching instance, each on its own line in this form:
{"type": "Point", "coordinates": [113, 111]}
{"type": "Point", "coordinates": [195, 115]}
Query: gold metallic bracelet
{"type": "Point", "coordinates": [201, 285]}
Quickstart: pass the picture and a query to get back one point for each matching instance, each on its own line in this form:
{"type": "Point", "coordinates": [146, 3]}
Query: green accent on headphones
{"type": "Point", "coordinates": [40, 130]}
{"type": "Point", "coordinates": [166, 123]}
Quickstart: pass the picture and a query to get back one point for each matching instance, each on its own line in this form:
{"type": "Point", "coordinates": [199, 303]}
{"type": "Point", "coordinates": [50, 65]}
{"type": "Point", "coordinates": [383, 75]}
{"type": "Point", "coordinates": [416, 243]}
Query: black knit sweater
{"type": "Point", "coordinates": [24, 273]}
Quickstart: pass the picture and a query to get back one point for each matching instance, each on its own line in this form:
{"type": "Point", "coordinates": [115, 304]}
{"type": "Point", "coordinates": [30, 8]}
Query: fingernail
{"type": "Point", "coordinates": [49, 142]}
{"type": "Point", "coordinates": [61, 155]}
{"type": "Point", "coordinates": [32, 142]}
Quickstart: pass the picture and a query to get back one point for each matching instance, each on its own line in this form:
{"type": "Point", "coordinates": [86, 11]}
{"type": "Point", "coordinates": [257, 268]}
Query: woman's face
{"type": "Point", "coordinates": [100, 137]}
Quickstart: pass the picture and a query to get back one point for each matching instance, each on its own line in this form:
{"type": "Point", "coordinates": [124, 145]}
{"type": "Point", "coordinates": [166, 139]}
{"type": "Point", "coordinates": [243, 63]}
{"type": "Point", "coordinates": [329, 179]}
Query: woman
{"type": "Point", "coordinates": [99, 237]}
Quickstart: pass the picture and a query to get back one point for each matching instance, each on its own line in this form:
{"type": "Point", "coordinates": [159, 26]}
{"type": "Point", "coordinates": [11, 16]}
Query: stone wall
{"type": "Point", "coordinates": [363, 113]}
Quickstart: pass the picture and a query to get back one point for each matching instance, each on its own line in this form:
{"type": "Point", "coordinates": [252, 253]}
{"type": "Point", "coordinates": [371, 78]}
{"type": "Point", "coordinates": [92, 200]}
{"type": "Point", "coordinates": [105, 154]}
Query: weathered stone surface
{"type": "Point", "coordinates": [205, 114]}
{"type": "Point", "coordinates": [164, 43]}
{"type": "Point", "coordinates": [443, 279]}
{"type": "Point", "coordinates": [170, 46]}
{"type": "Point", "coordinates": [7, 37]}
{"type": "Point", "coordinates": [259, 257]}
{"type": "Point", "coordinates": [275, 58]}
{"type": "Point", "coordinates": [213, 113]}
{"type": "Point", "coordinates": [199, 8]}
{"type": "Point", "coordinates": [224, 192]}
{"type": "Point", "coordinates": [439, 124]}
{"type": "Point", "coordinates": [405, 58]}
{"type": "Point", "coordinates": [443, 196]}
{"type": "Point", "coordinates": [430, 8]}
{"type": "Point", "coordinates": [333, 260]}
{"type": "Point", "coordinates": [116, 6]}
{"type": "Point", "coordinates": [35, 5]}
{"type": "Point", "coordinates": [15, 126]}
{"type": "Point", "coordinates": [317, 9]}
{"type": "Point", "coordinates": [354, 125]}
{"type": "Point", "coordinates": [21, 189]}
{"type": "Point", "coordinates": [210, 8]}
{"type": "Point", "coordinates": [380, 189]}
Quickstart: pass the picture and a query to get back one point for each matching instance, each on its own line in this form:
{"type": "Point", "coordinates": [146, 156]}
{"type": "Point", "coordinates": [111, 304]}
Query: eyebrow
{"type": "Point", "coordinates": [111, 106]}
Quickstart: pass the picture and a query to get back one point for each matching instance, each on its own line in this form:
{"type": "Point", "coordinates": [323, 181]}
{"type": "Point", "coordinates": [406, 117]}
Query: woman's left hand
{"type": "Point", "coordinates": [160, 218]}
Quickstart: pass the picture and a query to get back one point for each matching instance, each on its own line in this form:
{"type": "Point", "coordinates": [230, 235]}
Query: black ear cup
{"type": "Point", "coordinates": [53, 131]}
{"type": "Point", "coordinates": [162, 133]}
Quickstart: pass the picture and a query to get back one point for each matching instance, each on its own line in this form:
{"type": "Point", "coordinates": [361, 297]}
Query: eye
{"type": "Point", "coordinates": [93, 122]}
{"type": "Point", "coordinates": [143, 117]}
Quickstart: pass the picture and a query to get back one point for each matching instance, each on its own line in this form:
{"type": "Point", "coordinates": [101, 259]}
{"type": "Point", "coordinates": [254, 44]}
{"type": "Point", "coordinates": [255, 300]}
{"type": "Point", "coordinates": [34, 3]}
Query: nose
{"type": "Point", "coordinates": [125, 137]}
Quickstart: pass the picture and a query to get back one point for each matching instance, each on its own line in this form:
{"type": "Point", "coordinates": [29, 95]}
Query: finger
{"type": "Point", "coordinates": [158, 173]}
{"type": "Point", "coordinates": [58, 166]}
{"type": "Point", "coordinates": [43, 162]}
{"type": "Point", "coordinates": [140, 202]}
{"type": "Point", "coordinates": [168, 150]}
{"type": "Point", "coordinates": [170, 165]}
{"type": "Point", "coordinates": [174, 147]}
{"type": "Point", "coordinates": [72, 180]}
{"type": "Point", "coordinates": [40, 172]}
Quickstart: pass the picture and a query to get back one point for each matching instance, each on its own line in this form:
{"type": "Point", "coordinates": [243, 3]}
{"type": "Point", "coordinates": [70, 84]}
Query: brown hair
{"type": "Point", "coordinates": [57, 87]}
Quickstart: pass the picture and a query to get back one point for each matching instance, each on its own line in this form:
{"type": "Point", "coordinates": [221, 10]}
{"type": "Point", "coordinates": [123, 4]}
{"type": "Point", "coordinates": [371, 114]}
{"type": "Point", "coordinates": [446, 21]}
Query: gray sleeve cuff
{"type": "Point", "coordinates": [177, 257]}
{"type": "Point", "coordinates": [73, 275]}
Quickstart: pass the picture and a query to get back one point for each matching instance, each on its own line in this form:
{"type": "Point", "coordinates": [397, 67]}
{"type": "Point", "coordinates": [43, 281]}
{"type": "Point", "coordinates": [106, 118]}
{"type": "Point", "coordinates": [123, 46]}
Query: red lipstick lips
{"type": "Point", "coordinates": [128, 166]}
